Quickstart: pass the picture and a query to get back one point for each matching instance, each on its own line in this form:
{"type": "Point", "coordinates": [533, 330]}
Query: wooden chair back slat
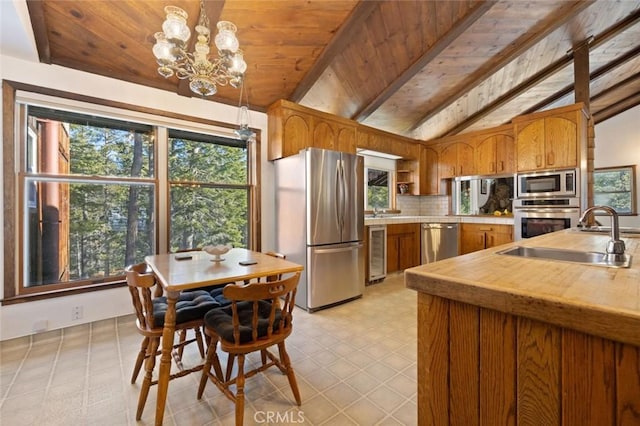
{"type": "Point", "coordinates": [141, 281]}
{"type": "Point", "coordinates": [280, 293]}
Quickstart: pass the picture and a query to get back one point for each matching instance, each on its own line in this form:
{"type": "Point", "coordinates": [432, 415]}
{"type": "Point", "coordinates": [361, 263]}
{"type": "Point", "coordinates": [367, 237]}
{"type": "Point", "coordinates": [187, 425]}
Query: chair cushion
{"type": "Point", "coordinates": [191, 306]}
{"type": "Point", "coordinates": [216, 293]}
{"type": "Point", "coordinates": [221, 320]}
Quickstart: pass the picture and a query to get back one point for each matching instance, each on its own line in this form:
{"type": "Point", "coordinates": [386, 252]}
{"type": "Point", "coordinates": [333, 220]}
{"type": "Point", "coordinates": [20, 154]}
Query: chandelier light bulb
{"type": "Point", "coordinates": [238, 65]}
{"type": "Point", "coordinates": [163, 49]}
{"type": "Point", "coordinates": [175, 25]}
{"type": "Point", "coordinates": [226, 38]}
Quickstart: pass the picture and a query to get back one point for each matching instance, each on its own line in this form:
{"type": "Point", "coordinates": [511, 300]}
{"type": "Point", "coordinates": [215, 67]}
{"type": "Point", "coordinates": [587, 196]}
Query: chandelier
{"type": "Point", "coordinates": [204, 73]}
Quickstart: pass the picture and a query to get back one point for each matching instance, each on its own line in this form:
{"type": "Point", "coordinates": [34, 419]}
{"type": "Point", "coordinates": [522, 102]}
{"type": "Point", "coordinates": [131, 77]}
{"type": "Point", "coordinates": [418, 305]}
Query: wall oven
{"type": "Point", "coordinates": [535, 217]}
{"type": "Point", "coordinates": [549, 183]}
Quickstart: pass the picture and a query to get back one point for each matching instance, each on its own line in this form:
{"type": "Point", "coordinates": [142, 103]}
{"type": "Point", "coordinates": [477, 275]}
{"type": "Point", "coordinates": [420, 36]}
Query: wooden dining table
{"type": "Point", "coordinates": [190, 270]}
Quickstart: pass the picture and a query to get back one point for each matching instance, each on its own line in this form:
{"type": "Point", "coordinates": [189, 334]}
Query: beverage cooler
{"type": "Point", "coordinates": [377, 253]}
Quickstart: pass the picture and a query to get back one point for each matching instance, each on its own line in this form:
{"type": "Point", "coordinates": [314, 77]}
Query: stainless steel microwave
{"type": "Point", "coordinates": [550, 183]}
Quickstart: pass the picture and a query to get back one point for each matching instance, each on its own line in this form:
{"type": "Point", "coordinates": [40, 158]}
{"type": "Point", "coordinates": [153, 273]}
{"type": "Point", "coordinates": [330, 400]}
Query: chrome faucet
{"type": "Point", "coordinates": [615, 245]}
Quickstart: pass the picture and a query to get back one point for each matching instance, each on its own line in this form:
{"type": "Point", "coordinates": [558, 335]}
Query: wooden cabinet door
{"type": "Point", "coordinates": [448, 161]}
{"type": "Point", "coordinates": [560, 142]}
{"type": "Point", "coordinates": [472, 238]}
{"type": "Point", "coordinates": [429, 180]}
{"type": "Point", "coordinates": [407, 251]}
{"type": "Point", "coordinates": [324, 135]}
{"type": "Point", "coordinates": [505, 154]}
{"type": "Point", "coordinates": [289, 131]}
{"type": "Point", "coordinates": [476, 236]}
{"type": "Point", "coordinates": [393, 250]}
{"type": "Point", "coordinates": [346, 139]}
{"type": "Point", "coordinates": [466, 160]}
{"type": "Point", "coordinates": [530, 150]}
{"type": "Point", "coordinates": [486, 156]}
{"type": "Point", "coordinates": [456, 159]}
{"type": "Point", "coordinates": [551, 139]}
{"type": "Point", "coordinates": [333, 135]}
{"type": "Point", "coordinates": [495, 155]}
{"type": "Point", "coordinates": [403, 246]}
{"type": "Point", "coordinates": [500, 234]}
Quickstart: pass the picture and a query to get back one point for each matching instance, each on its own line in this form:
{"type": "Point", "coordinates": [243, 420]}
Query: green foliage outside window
{"type": "Point", "coordinates": [378, 193]}
{"type": "Point", "coordinates": [615, 187]}
{"type": "Point", "coordinates": [209, 195]}
{"type": "Point", "coordinates": [465, 197]}
{"type": "Point", "coordinates": [90, 196]}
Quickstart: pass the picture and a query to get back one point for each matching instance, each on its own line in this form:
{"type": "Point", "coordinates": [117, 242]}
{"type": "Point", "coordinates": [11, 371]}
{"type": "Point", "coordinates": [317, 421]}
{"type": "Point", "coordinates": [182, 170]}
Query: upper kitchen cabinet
{"type": "Point", "coordinates": [381, 141]}
{"type": "Point", "coordinates": [334, 135]}
{"type": "Point", "coordinates": [550, 139]}
{"type": "Point", "coordinates": [289, 130]}
{"type": "Point", "coordinates": [456, 159]}
{"type": "Point", "coordinates": [429, 182]}
{"type": "Point", "coordinates": [293, 127]}
{"type": "Point", "coordinates": [495, 151]}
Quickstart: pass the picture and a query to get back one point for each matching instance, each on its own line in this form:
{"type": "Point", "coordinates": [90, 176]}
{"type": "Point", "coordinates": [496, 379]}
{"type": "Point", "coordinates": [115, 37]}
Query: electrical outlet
{"type": "Point", "coordinates": [76, 313]}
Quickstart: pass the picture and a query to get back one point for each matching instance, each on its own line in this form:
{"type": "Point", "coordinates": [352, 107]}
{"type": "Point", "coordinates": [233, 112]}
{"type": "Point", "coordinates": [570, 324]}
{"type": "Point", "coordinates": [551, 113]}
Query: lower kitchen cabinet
{"type": "Point", "coordinates": [476, 236]}
{"type": "Point", "coordinates": [403, 246]}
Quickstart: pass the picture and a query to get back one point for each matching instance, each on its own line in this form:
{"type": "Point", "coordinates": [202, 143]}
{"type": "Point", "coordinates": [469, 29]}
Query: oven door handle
{"type": "Point", "coordinates": [548, 210]}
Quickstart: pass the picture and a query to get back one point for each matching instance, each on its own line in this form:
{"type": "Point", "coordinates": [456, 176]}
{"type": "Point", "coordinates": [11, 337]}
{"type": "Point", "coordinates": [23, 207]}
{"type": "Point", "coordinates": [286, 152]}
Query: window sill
{"type": "Point", "coordinates": [23, 298]}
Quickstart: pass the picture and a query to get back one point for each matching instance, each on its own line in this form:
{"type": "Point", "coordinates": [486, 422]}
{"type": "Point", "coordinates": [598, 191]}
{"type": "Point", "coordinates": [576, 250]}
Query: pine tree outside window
{"type": "Point", "coordinates": [615, 187]}
{"type": "Point", "coordinates": [91, 198]}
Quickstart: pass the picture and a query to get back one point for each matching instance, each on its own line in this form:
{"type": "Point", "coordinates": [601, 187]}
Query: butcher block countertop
{"type": "Point", "coordinates": [595, 300]}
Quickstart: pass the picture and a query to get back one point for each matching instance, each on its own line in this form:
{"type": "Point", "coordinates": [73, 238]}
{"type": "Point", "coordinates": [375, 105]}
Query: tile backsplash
{"type": "Point", "coordinates": [428, 205]}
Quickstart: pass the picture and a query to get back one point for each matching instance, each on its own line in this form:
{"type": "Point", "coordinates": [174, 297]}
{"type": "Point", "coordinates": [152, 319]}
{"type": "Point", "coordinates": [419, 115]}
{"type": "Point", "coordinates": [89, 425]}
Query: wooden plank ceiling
{"type": "Point", "coordinates": [422, 69]}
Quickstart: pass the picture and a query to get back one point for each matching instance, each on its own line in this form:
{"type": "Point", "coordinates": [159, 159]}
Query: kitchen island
{"type": "Point", "coordinates": [511, 340]}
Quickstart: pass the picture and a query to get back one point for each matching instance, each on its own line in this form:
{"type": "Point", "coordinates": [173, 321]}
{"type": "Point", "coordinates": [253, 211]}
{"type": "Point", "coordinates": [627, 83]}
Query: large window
{"type": "Point", "coordinates": [615, 187]}
{"type": "Point", "coordinates": [94, 196]}
{"type": "Point", "coordinates": [89, 198]}
{"type": "Point", "coordinates": [209, 191]}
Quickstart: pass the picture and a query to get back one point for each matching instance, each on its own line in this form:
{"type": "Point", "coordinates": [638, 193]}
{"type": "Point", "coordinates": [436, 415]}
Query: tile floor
{"type": "Point", "coordinates": [355, 364]}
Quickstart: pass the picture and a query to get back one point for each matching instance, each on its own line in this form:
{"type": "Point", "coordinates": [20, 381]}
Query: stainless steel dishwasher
{"type": "Point", "coordinates": [439, 241]}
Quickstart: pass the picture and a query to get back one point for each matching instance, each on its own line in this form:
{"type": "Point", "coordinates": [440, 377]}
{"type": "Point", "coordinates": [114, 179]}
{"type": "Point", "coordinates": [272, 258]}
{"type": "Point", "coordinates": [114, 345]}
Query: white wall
{"type": "Point", "coordinates": [618, 144]}
{"type": "Point", "coordinates": [24, 318]}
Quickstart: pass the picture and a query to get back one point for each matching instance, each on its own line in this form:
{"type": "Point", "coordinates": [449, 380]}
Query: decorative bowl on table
{"type": "Point", "coordinates": [217, 251]}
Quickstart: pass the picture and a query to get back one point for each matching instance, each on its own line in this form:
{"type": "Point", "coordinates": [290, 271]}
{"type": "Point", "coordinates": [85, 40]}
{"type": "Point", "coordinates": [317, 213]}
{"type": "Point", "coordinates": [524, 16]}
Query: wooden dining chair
{"type": "Point", "coordinates": [150, 310]}
{"type": "Point", "coordinates": [218, 296]}
{"type": "Point", "coordinates": [260, 316]}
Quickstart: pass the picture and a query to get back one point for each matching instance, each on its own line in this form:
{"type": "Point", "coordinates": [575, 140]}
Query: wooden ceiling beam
{"type": "Point", "coordinates": [213, 10]}
{"type": "Point", "coordinates": [512, 94]}
{"type": "Point", "coordinates": [553, 68]}
{"type": "Point", "coordinates": [458, 29]}
{"type": "Point", "coordinates": [337, 44]}
{"type": "Point", "coordinates": [39, 26]}
{"type": "Point", "coordinates": [600, 72]}
{"type": "Point", "coordinates": [630, 81]}
{"type": "Point", "coordinates": [615, 109]}
{"type": "Point", "coordinates": [494, 67]}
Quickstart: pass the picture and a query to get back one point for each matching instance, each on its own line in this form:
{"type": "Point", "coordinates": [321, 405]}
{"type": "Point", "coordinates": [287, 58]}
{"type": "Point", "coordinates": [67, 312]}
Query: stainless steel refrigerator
{"type": "Point", "coordinates": [320, 224]}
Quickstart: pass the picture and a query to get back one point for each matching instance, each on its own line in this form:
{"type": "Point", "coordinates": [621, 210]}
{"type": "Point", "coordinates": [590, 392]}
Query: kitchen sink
{"type": "Point", "coordinates": [627, 232]}
{"type": "Point", "coordinates": [576, 256]}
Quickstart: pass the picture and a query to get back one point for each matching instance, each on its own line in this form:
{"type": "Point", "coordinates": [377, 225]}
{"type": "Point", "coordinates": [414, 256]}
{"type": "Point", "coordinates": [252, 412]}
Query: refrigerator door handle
{"type": "Point", "coordinates": [338, 250]}
{"type": "Point", "coordinates": [343, 196]}
{"type": "Point", "coordinates": [338, 196]}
